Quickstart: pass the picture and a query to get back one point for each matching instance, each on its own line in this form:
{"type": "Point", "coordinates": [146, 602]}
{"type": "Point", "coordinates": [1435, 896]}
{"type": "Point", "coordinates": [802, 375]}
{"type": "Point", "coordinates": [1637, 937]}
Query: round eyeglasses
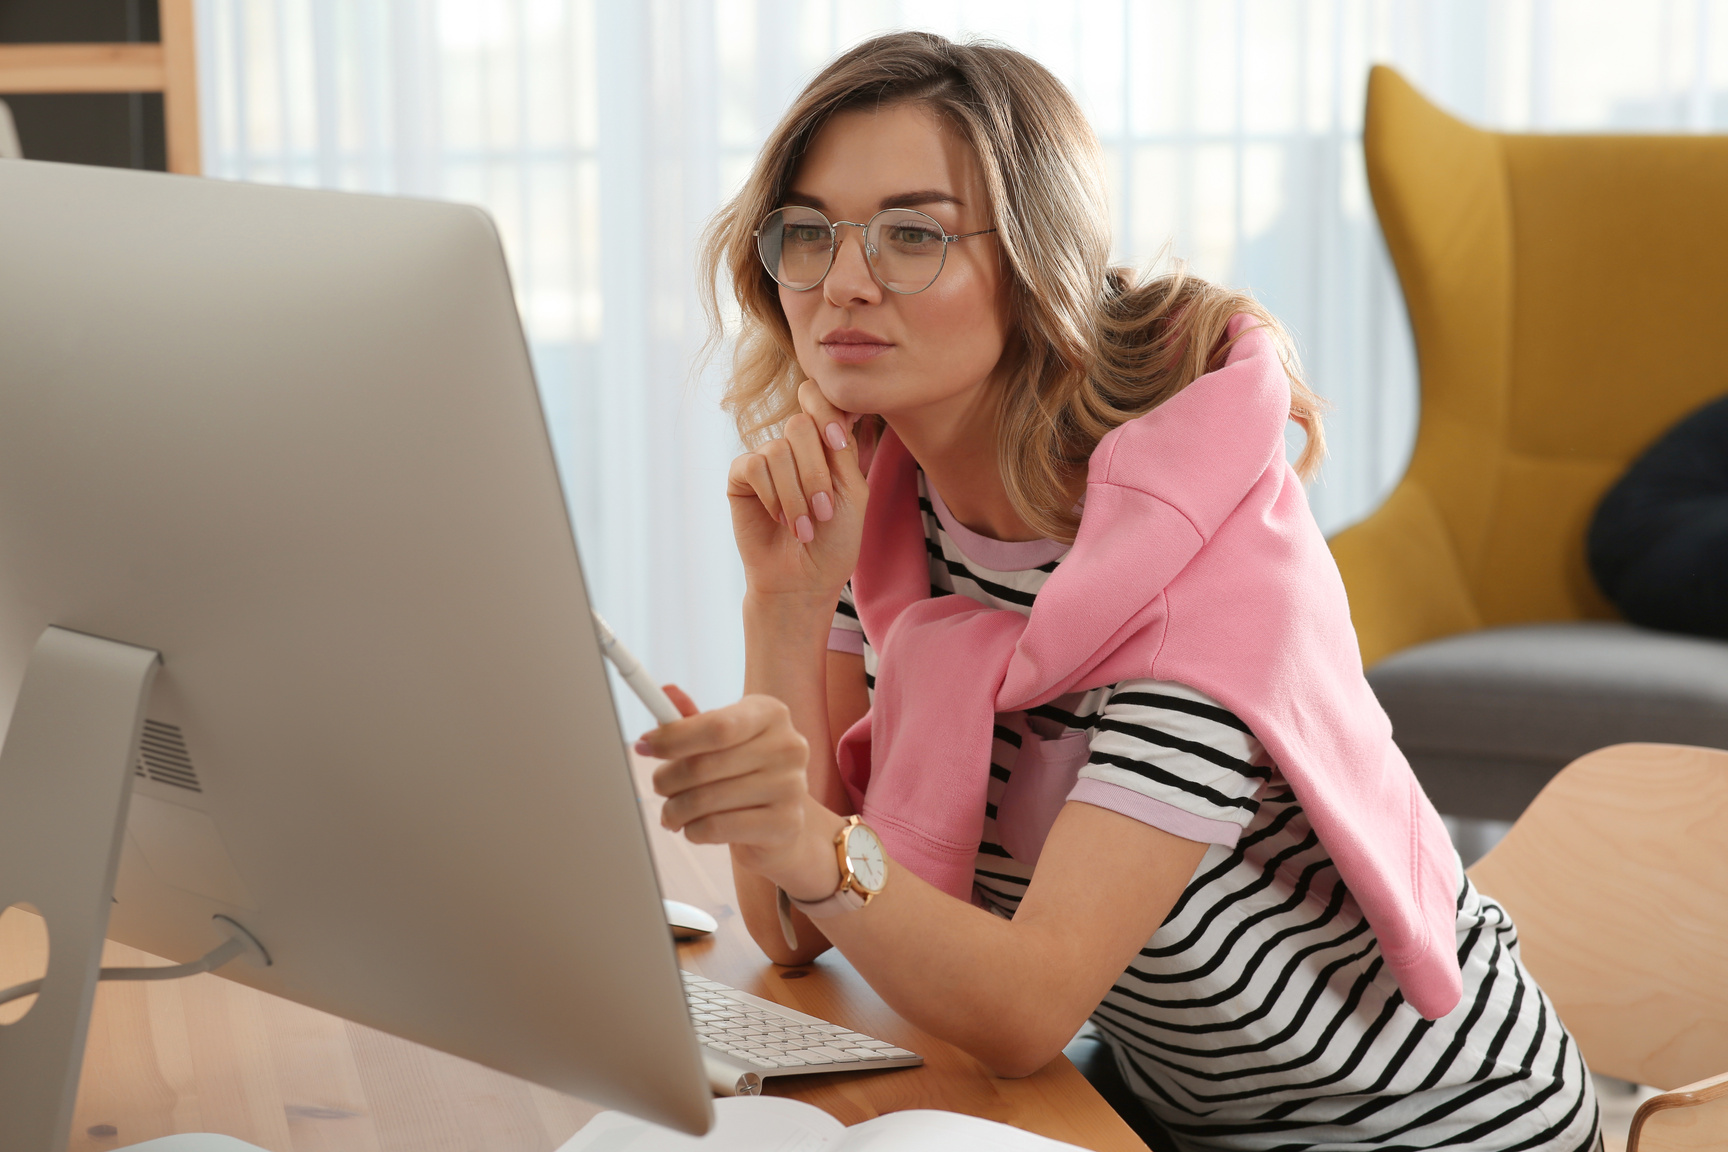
{"type": "Point", "coordinates": [906, 249]}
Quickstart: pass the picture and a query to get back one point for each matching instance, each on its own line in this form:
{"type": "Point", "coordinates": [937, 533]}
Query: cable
{"type": "Point", "coordinates": [237, 945]}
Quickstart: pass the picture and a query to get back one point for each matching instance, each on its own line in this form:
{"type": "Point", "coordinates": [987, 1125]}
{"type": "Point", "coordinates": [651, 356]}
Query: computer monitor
{"type": "Point", "coordinates": [290, 441]}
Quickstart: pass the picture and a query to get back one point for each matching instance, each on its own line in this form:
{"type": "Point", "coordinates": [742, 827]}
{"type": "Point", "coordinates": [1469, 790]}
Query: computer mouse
{"type": "Point", "coordinates": [688, 922]}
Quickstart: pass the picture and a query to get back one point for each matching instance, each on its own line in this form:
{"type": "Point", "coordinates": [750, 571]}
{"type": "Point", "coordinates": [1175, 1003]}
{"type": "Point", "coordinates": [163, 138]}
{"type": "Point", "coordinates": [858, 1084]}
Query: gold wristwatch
{"type": "Point", "coordinates": [863, 875]}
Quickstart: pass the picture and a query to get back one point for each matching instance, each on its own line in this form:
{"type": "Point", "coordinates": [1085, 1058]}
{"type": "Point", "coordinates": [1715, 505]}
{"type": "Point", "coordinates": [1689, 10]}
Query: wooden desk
{"type": "Point", "coordinates": [204, 1054]}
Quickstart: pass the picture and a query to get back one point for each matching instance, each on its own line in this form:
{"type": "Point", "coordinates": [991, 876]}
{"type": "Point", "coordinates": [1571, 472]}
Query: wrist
{"type": "Point", "coordinates": [790, 610]}
{"type": "Point", "coordinates": [812, 871]}
{"type": "Point", "coordinates": [784, 633]}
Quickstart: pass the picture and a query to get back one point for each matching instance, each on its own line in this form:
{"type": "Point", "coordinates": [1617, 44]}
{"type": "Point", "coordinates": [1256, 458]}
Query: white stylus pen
{"type": "Point", "coordinates": [635, 675]}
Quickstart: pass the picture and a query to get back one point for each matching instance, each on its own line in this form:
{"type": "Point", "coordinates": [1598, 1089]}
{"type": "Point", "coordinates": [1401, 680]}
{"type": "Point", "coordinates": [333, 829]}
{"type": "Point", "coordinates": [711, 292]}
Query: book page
{"type": "Point", "coordinates": [926, 1130]}
{"type": "Point", "coordinates": [741, 1124]}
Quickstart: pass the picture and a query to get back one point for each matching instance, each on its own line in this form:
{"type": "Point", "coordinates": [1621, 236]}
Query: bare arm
{"type": "Point", "coordinates": [1013, 992]}
{"type": "Point", "coordinates": [786, 654]}
{"type": "Point", "coordinates": [1073, 934]}
{"type": "Point", "coordinates": [847, 701]}
{"type": "Point", "coordinates": [798, 506]}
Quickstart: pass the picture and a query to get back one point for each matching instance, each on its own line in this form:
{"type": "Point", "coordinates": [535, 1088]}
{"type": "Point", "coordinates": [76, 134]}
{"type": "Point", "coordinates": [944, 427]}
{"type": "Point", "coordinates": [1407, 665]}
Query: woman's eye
{"type": "Point", "coordinates": [911, 236]}
{"type": "Point", "coordinates": [804, 235]}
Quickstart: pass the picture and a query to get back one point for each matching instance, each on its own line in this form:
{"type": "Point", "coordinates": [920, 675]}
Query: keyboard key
{"type": "Point", "coordinates": [899, 1054]}
{"type": "Point", "coordinates": [867, 1054]}
{"type": "Point", "coordinates": [829, 1055]}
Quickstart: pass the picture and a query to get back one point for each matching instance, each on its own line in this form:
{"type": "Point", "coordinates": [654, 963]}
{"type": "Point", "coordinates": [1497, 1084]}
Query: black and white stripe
{"type": "Point", "coordinates": [1261, 1016]}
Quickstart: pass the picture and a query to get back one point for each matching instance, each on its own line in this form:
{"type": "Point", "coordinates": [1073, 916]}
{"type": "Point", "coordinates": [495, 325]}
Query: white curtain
{"type": "Point", "coordinates": [601, 134]}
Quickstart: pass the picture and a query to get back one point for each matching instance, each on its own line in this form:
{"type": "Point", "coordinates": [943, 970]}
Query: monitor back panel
{"type": "Point", "coordinates": [291, 440]}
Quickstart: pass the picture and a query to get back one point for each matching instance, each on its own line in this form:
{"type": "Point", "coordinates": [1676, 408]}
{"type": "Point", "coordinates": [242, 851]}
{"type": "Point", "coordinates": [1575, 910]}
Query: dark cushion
{"type": "Point", "coordinates": [1658, 545]}
{"type": "Point", "coordinates": [1487, 718]}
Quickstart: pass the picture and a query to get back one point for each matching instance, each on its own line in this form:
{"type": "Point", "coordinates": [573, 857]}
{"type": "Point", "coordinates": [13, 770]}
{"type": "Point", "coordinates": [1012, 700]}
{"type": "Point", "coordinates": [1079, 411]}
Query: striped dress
{"type": "Point", "coordinates": [1260, 1016]}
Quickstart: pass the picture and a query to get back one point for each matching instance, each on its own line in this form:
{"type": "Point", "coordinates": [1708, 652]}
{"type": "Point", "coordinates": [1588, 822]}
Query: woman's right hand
{"type": "Point", "coordinates": [798, 502]}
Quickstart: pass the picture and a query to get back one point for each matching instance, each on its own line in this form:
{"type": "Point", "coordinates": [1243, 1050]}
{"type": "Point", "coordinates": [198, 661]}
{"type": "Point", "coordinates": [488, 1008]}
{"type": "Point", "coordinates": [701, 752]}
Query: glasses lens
{"type": "Point", "coordinates": [906, 249]}
{"type": "Point", "coordinates": [796, 245]}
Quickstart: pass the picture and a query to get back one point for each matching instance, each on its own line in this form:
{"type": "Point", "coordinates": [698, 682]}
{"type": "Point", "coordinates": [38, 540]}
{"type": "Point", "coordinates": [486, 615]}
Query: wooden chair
{"type": "Point", "coordinates": [1617, 877]}
{"type": "Point", "coordinates": [170, 67]}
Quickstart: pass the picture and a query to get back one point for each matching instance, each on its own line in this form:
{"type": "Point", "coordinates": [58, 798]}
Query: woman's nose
{"type": "Point", "coordinates": [849, 279]}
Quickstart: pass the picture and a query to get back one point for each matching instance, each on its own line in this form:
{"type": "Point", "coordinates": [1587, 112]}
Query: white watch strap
{"type": "Point", "coordinates": [783, 905]}
{"type": "Point", "coordinates": [845, 900]}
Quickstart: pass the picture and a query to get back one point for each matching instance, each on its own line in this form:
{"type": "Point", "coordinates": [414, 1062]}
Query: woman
{"type": "Point", "coordinates": [1074, 651]}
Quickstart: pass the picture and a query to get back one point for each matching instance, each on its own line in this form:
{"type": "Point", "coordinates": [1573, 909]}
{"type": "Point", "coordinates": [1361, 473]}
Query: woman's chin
{"type": "Point", "coordinates": [848, 395]}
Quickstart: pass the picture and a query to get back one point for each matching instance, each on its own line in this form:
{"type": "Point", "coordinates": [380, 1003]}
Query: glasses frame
{"type": "Point", "coordinates": [869, 252]}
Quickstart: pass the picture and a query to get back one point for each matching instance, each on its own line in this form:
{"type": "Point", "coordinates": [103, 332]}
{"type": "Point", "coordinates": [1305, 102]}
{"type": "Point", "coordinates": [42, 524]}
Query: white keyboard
{"type": "Point", "coordinates": [761, 1036]}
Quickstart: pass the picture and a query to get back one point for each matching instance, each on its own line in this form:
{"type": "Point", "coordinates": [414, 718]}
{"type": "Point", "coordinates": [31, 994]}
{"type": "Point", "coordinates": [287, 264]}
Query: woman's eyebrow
{"type": "Point", "coordinates": [902, 200]}
{"type": "Point", "coordinates": [926, 196]}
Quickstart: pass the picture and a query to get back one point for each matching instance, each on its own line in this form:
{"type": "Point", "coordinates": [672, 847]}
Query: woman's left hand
{"type": "Point", "coordinates": [798, 503]}
{"type": "Point", "coordinates": [735, 775]}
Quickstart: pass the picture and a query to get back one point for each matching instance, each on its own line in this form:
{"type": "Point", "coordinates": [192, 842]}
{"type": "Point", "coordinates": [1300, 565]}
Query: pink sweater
{"type": "Point", "coordinates": [1197, 561]}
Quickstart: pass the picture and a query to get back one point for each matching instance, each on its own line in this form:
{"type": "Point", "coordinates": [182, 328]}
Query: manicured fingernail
{"type": "Point", "coordinates": [642, 748]}
{"type": "Point", "coordinates": [836, 436]}
{"type": "Point", "coordinates": [823, 507]}
{"type": "Point", "coordinates": [806, 530]}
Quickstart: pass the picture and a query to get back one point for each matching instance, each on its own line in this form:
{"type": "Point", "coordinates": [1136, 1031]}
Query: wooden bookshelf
{"type": "Point", "coordinates": [170, 67]}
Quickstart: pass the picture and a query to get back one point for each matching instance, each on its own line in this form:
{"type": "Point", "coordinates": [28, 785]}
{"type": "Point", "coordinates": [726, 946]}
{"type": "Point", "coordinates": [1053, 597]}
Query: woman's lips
{"type": "Point", "coordinates": [853, 345]}
{"type": "Point", "coordinates": [853, 351]}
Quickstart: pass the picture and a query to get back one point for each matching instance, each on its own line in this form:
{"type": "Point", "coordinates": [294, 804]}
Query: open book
{"type": "Point", "coordinates": [775, 1124]}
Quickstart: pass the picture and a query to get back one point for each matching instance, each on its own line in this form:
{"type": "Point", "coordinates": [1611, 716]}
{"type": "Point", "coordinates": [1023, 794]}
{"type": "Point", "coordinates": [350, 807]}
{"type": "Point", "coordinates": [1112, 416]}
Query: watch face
{"type": "Point", "coordinates": [869, 863]}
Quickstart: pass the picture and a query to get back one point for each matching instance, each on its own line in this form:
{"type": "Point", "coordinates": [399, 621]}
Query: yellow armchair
{"type": "Point", "coordinates": [1568, 296]}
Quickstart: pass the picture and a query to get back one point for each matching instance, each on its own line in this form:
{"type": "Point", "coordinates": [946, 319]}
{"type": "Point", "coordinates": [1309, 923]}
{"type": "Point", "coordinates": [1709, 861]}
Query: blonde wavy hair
{"type": "Point", "coordinates": [1096, 346]}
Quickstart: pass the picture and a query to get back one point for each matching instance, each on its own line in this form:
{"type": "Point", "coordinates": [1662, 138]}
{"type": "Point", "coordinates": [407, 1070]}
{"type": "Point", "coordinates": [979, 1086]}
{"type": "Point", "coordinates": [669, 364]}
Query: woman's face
{"type": "Point", "coordinates": [873, 350]}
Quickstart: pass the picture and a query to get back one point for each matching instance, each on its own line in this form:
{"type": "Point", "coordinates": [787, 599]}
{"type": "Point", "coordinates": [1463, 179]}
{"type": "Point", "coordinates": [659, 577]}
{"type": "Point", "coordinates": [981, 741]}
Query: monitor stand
{"type": "Point", "coordinates": [65, 782]}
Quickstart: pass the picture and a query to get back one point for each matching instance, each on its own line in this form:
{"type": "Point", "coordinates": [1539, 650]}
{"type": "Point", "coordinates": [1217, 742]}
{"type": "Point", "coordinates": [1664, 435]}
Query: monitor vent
{"type": "Point", "coordinates": [162, 757]}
